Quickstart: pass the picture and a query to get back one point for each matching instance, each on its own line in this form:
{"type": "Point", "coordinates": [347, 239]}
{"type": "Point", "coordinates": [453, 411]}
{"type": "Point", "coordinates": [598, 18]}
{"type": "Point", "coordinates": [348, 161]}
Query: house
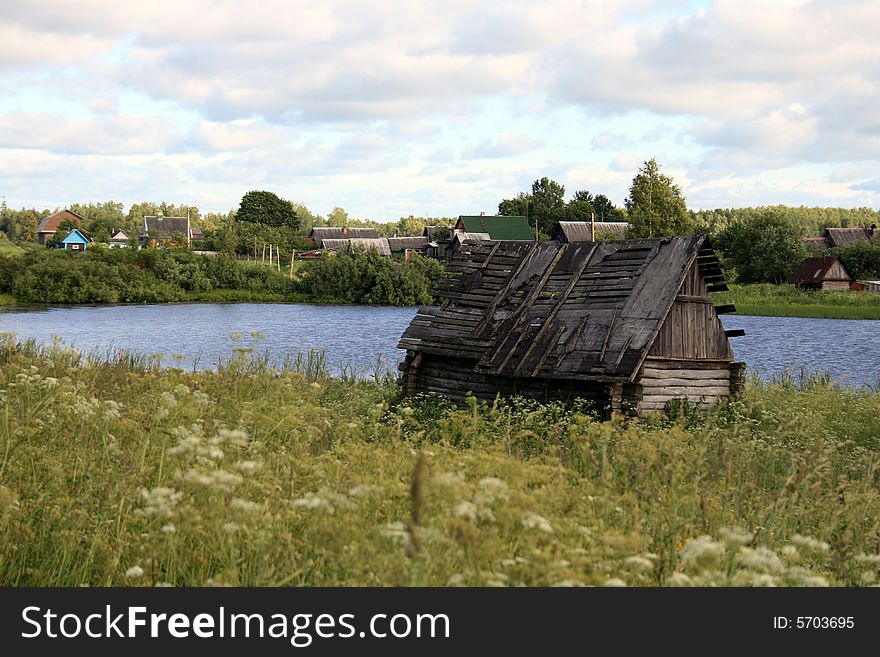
{"type": "Point", "coordinates": [439, 238]}
{"type": "Point", "coordinates": [321, 233]}
{"type": "Point", "coordinates": [378, 244]}
{"type": "Point", "coordinates": [403, 244]}
{"type": "Point", "coordinates": [842, 237]}
{"type": "Point", "coordinates": [119, 239]}
{"type": "Point", "coordinates": [590, 231]}
{"type": "Point", "coordinates": [75, 241]}
{"type": "Point", "coordinates": [459, 238]}
{"type": "Point", "coordinates": [49, 225]}
{"type": "Point", "coordinates": [158, 230]}
{"type": "Point", "coordinates": [822, 273]}
{"type": "Point", "coordinates": [498, 227]}
{"type": "Point", "coordinates": [626, 324]}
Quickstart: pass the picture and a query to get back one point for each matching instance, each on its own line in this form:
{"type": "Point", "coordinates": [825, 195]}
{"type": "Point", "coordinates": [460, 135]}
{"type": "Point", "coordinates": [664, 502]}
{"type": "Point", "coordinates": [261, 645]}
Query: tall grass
{"type": "Point", "coordinates": [788, 301]}
{"type": "Point", "coordinates": [120, 472]}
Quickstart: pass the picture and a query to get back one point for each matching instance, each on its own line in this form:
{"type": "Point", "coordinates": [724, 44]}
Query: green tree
{"type": "Point", "coordinates": [655, 205]}
{"type": "Point", "coordinates": [765, 247]}
{"type": "Point", "coordinates": [580, 207]}
{"type": "Point", "coordinates": [606, 210]}
{"type": "Point", "coordinates": [268, 209]}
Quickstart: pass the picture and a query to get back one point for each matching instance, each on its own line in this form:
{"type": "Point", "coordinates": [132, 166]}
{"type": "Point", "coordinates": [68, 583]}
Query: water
{"type": "Point", "coordinates": [354, 336]}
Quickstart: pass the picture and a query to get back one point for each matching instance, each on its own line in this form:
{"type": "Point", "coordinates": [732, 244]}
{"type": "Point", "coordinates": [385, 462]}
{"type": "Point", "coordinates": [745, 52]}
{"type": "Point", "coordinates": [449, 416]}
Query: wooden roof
{"type": "Point", "coordinates": [161, 227]}
{"type": "Point", "coordinates": [51, 223]}
{"type": "Point", "coordinates": [499, 227]}
{"type": "Point", "coordinates": [848, 236]}
{"type": "Point", "coordinates": [378, 244]}
{"type": "Point", "coordinates": [585, 310]}
{"type": "Point", "coordinates": [580, 231]}
{"type": "Point", "coordinates": [818, 269]}
{"type": "Point", "coordinates": [403, 243]}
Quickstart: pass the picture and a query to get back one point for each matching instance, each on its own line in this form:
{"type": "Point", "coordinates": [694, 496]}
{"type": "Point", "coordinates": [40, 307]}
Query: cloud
{"type": "Point", "coordinates": [505, 145]}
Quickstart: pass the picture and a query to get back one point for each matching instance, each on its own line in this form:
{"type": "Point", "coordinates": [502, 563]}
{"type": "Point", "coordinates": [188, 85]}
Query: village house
{"type": "Point", "coordinates": [74, 241]}
{"type": "Point", "coordinates": [822, 273]}
{"type": "Point", "coordinates": [49, 225]}
{"type": "Point", "coordinates": [626, 324]}
{"type": "Point", "coordinates": [321, 233]}
{"type": "Point", "coordinates": [158, 230]}
{"type": "Point", "coordinates": [377, 244]}
{"type": "Point", "coordinates": [590, 231]}
{"type": "Point", "coordinates": [439, 238]}
{"type": "Point", "coordinates": [842, 237]}
{"type": "Point", "coordinates": [498, 227]}
{"type": "Point", "coordinates": [119, 239]}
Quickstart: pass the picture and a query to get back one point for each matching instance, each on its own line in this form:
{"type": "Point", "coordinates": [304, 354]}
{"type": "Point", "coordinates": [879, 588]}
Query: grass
{"type": "Point", "coordinates": [788, 301]}
{"type": "Point", "coordinates": [115, 471]}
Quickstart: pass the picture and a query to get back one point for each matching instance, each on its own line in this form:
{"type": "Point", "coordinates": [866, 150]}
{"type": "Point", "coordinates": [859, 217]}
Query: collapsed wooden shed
{"type": "Point", "coordinates": [627, 324]}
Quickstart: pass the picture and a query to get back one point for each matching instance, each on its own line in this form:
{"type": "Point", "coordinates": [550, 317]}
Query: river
{"type": "Point", "coordinates": [200, 335]}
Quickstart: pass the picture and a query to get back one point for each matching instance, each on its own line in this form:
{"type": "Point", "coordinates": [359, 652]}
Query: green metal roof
{"type": "Point", "coordinates": [498, 227]}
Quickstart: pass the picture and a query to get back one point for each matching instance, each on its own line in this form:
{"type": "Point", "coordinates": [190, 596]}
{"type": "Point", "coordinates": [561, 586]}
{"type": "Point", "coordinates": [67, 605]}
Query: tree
{"type": "Point", "coordinates": [655, 205]}
{"type": "Point", "coordinates": [765, 247]}
{"type": "Point", "coordinates": [606, 210]}
{"type": "Point", "coordinates": [580, 207]}
{"type": "Point", "coordinates": [338, 217]}
{"type": "Point", "coordinates": [261, 207]}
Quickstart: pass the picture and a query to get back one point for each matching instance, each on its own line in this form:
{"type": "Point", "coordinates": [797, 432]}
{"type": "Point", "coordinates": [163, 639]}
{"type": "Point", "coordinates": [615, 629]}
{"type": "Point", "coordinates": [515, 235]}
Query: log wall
{"type": "Point", "coordinates": [705, 383]}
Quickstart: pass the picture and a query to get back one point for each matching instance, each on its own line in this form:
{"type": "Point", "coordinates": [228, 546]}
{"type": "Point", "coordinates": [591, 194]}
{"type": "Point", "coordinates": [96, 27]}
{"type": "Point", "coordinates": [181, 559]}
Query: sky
{"type": "Point", "coordinates": [437, 108]}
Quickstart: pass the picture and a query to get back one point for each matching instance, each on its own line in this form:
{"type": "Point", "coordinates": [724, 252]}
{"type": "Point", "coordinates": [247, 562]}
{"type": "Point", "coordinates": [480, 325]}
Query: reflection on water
{"type": "Point", "coordinates": [355, 336]}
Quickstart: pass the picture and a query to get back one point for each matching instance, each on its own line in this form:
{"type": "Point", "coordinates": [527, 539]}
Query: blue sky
{"type": "Point", "coordinates": [437, 108]}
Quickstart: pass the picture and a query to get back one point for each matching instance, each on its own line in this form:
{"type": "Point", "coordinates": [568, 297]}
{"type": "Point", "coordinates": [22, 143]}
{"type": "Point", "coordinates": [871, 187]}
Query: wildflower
{"type": "Point", "coordinates": [169, 528]}
{"type": "Point", "coordinates": [231, 527]}
{"type": "Point", "coordinates": [761, 559]}
{"type": "Point", "coordinates": [534, 521]}
{"type": "Point", "coordinates": [466, 510]}
{"type": "Point", "coordinates": [639, 563]}
{"type": "Point", "coordinates": [456, 580]}
{"type": "Point", "coordinates": [447, 479]}
{"type": "Point", "coordinates": [134, 572]}
{"type": "Point", "coordinates": [397, 532]}
{"type": "Point", "coordinates": [615, 582]}
{"type": "Point", "coordinates": [736, 536]}
{"type": "Point", "coordinates": [868, 558]}
{"type": "Point", "coordinates": [702, 550]}
{"type": "Point", "coordinates": [159, 502]}
{"type": "Point", "coordinates": [568, 583]}
{"type": "Point", "coordinates": [235, 437]}
{"type": "Point", "coordinates": [679, 579]}
{"type": "Point", "coordinates": [810, 543]}
{"type": "Point", "coordinates": [313, 501]}
{"type": "Point", "coordinates": [248, 467]}
{"type": "Point", "coordinates": [245, 505]}
{"type": "Point", "coordinates": [491, 489]}
{"type": "Point", "coordinates": [363, 490]}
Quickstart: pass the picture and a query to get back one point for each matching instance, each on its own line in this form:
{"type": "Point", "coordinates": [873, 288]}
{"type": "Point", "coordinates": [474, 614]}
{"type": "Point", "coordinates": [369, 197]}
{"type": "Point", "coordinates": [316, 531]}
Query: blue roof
{"type": "Point", "coordinates": [75, 237]}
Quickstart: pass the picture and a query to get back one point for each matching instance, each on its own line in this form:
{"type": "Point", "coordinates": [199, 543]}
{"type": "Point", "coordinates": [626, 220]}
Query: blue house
{"type": "Point", "coordinates": [75, 241]}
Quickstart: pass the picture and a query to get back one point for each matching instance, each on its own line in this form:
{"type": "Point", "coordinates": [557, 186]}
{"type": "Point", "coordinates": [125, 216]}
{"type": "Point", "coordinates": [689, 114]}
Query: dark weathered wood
{"type": "Point", "coordinates": [725, 309]}
{"type": "Point", "coordinates": [734, 333]}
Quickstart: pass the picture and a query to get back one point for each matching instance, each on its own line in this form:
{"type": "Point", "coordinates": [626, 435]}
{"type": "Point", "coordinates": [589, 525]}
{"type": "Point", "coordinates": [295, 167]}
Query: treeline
{"type": "Point", "coordinates": [810, 221]}
{"type": "Point", "coordinates": [154, 276]}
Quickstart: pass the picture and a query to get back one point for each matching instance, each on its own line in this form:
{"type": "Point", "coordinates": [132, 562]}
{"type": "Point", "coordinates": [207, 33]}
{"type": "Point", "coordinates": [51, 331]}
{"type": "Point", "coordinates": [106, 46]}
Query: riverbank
{"type": "Point", "coordinates": [117, 472]}
{"type": "Point", "coordinates": [767, 300]}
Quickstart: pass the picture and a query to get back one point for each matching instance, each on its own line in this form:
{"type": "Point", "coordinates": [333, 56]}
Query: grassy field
{"type": "Point", "coordinates": [116, 472]}
{"type": "Point", "coordinates": [788, 301]}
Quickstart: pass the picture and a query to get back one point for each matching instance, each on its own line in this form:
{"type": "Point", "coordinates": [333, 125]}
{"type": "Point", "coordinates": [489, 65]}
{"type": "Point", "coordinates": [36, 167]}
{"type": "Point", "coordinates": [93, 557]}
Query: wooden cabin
{"type": "Point", "coordinates": [842, 237]}
{"type": "Point", "coordinates": [49, 225]}
{"type": "Point", "coordinates": [627, 324]}
{"type": "Point", "coordinates": [590, 231]}
{"type": "Point", "coordinates": [822, 273]}
{"type": "Point", "coordinates": [74, 241]}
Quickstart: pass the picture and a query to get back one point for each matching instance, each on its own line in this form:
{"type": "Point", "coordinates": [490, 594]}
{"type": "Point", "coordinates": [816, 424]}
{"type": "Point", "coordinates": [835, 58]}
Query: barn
{"type": "Point", "coordinates": [822, 273]}
{"type": "Point", "coordinates": [626, 324]}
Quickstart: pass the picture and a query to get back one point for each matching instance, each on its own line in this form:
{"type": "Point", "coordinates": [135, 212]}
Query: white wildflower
{"type": "Point", "coordinates": [568, 583]}
{"type": "Point", "coordinates": [868, 558]}
{"type": "Point", "coordinates": [639, 563]}
{"type": "Point", "coordinates": [248, 467]}
{"type": "Point", "coordinates": [134, 572]}
{"type": "Point", "coordinates": [235, 437]}
{"type": "Point", "coordinates": [447, 479]}
{"type": "Point", "coordinates": [169, 528]}
{"type": "Point", "coordinates": [761, 559]}
{"type": "Point", "coordinates": [534, 521]}
{"type": "Point", "coordinates": [159, 502]}
{"type": "Point", "coordinates": [702, 550]}
{"type": "Point", "coordinates": [364, 490]}
{"type": "Point", "coordinates": [679, 579]}
{"type": "Point", "coordinates": [736, 536]}
{"type": "Point", "coordinates": [313, 501]}
{"type": "Point", "coordinates": [466, 510]}
{"type": "Point", "coordinates": [615, 582]}
{"type": "Point", "coordinates": [810, 543]}
{"type": "Point", "coordinates": [491, 489]}
{"type": "Point", "coordinates": [397, 532]}
{"type": "Point", "coordinates": [456, 580]}
{"type": "Point", "coordinates": [231, 527]}
{"type": "Point", "coordinates": [245, 505]}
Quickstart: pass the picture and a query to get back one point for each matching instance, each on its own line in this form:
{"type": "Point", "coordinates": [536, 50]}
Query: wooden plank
{"type": "Point", "coordinates": [734, 333]}
{"type": "Point", "coordinates": [725, 309]}
{"type": "Point", "coordinates": [650, 373]}
{"type": "Point", "coordinates": [654, 384]}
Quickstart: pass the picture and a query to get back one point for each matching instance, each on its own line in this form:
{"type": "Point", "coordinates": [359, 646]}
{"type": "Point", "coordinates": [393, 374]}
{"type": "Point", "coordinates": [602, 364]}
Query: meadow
{"type": "Point", "coordinates": [115, 471]}
{"type": "Point", "coordinates": [787, 301]}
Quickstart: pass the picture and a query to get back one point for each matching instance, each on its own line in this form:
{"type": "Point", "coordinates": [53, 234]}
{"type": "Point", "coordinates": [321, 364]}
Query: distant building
{"type": "Point", "coordinates": [498, 227]}
{"type": "Point", "coordinates": [49, 226]}
{"type": "Point", "coordinates": [842, 237]}
{"type": "Point", "coordinates": [404, 244]}
{"type": "Point", "coordinates": [589, 231]}
{"type": "Point", "coordinates": [321, 233]}
{"type": "Point", "coordinates": [119, 239]}
{"type": "Point", "coordinates": [439, 238]}
{"type": "Point", "coordinates": [377, 244]}
{"type": "Point", "coordinates": [158, 230]}
{"type": "Point", "coordinates": [75, 241]}
{"type": "Point", "coordinates": [822, 273]}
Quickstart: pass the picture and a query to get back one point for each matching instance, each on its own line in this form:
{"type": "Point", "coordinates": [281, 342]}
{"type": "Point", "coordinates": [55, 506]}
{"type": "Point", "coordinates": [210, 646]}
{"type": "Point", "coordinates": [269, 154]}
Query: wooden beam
{"type": "Point", "coordinates": [725, 309]}
{"type": "Point", "coordinates": [734, 333]}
